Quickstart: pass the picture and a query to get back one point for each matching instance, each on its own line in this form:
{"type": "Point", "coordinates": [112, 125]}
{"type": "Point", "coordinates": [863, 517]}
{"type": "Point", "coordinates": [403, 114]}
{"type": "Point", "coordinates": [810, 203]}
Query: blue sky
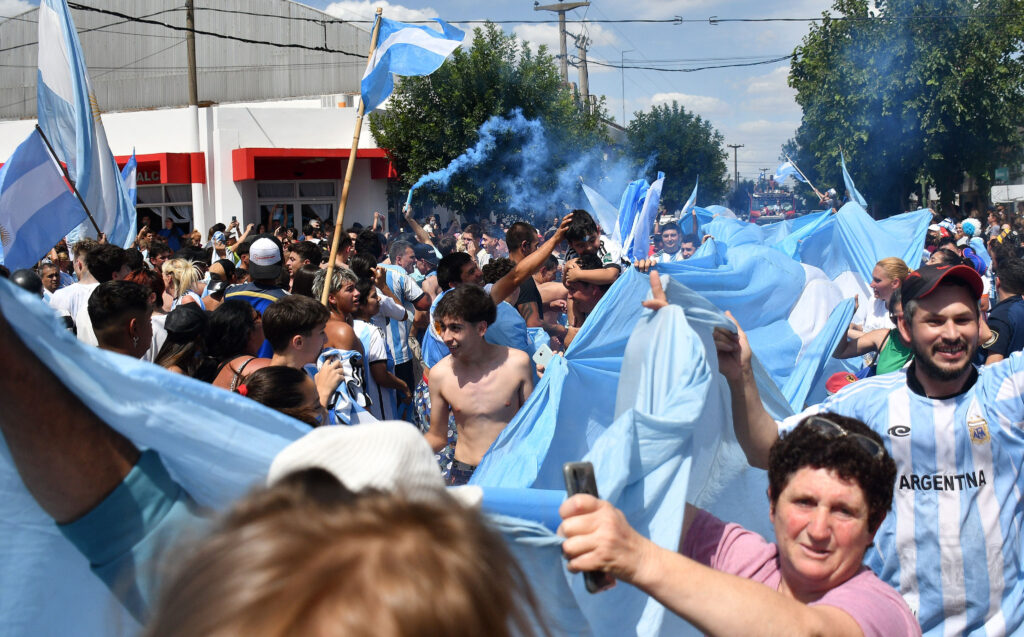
{"type": "Point", "coordinates": [752, 106]}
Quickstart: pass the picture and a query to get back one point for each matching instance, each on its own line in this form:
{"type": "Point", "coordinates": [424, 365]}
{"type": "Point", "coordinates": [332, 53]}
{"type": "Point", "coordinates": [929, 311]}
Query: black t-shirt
{"type": "Point", "coordinates": [1006, 320]}
{"type": "Point", "coordinates": [528, 293]}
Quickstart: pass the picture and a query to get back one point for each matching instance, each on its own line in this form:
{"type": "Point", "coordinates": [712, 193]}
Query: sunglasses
{"type": "Point", "coordinates": [831, 431]}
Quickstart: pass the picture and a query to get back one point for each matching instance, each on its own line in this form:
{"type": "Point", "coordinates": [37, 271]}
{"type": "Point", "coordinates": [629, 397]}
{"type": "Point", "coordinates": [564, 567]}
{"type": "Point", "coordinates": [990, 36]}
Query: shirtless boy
{"type": "Point", "coordinates": [484, 385]}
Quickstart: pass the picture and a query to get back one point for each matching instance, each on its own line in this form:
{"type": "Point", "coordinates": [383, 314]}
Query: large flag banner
{"type": "Point", "coordinates": [69, 115]}
{"type": "Point", "coordinates": [850, 188]}
{"type": "Point", "coordinates": [405, 49]}
{"type": "Point", "coordinates": [37, 207]}
{"type": "Point", "coordinates": [688, 208]}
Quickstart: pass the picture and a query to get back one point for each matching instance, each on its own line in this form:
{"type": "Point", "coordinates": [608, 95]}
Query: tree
{"type": "Point", "coordinates": [432, 120]}
{"type": "Point", "coordinates": [684, 146]}
{"type": "Point", "coordinates": [927, 89]}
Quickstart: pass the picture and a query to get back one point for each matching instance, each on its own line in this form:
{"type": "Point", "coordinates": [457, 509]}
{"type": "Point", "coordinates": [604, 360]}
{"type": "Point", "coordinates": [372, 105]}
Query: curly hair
{"type": "Point", "coordinates": [805, 447]}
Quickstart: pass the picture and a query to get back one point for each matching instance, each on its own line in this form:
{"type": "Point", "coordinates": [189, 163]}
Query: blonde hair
{"type": "Point", "coordinates": [309, 557]}
{"type": "Point", "coordinates": [184, 273]}
{"type": "Point", "coordinates": [894, 268]}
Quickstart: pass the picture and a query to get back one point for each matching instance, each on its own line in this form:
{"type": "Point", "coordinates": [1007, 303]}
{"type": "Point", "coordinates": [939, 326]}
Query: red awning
{"type": "Point", "coordinates": [286, 164]}
{"type": "Point", "coordinates": [168, 168]}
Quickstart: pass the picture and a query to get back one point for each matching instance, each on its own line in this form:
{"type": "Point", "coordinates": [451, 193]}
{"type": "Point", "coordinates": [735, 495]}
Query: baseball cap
{"type": "Point", "coordinates": [923, 281]}
{"type": "Point", "coordinates": [264, 259]}
{"type": "Point", "coordinates": [425, 252]}
{"type": "Point", "coordinates": [839, 380]}
{"type": "Point", "coordinates": [935, 228]}
{"type": "Point", "coordinates": [185, 322]}
{"type": "Point", "coordinates": [386, 456]}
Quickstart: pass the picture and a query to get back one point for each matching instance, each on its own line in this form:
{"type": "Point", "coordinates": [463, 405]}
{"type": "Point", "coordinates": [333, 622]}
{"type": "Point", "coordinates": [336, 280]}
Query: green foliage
{"type": "Point", "coordinates": [909, 98]}
{"type": "Point", "coordinates": [431, 120]}
{"type": "Point", "coordinates": [685, 146]}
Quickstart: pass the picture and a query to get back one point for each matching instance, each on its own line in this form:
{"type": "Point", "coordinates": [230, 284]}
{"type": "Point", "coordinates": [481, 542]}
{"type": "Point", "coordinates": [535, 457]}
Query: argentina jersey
{"type": "Point", "coordinates": [951, 544]}
{"type": "Point", "coordinates": [397, 332]}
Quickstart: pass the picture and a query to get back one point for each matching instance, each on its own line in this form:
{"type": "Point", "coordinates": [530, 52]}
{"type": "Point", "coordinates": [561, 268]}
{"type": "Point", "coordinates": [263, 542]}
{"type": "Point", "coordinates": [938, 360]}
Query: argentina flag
{"type": "Point", "coordinates": [36, 206]}
{"type": "Point", "coordinates": [129, 175]}
{"type": "Point", "coordinates": [787, 169]}
{"type": "Point", "coordinates": [848, 180]}
{"type": "Point", "coordinates": [405, 49]}
{"type": "Point", "coordinates": [69, 115]}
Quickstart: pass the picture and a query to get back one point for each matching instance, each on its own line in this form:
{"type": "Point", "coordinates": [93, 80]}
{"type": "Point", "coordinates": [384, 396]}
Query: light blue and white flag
{"type": "Point", "coordinates": [850, 188]}
{"type": "Point", "coordinates": [692, 201]}
{"type": "Point", "coordinates": [787, 169]}
{"type": "Point", "coordinates": [604, 212]}
{"type": "Point", "coordinates": [69, 115]}
{"type": "Point", "coordinates": [638, 243]}
{"type": "Point", "coordinates": [405, 49]}
{"type": "Point", "coordinates": [129, 175]}
{"type": "Point", "coordinates": [37, 207]}
{"type": "Point", "coordinates": [630, 204]}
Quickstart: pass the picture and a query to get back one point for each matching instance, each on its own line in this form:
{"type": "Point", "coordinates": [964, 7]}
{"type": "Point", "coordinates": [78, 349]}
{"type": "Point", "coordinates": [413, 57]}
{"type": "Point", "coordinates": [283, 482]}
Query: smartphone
{"type": "Point", "coordinates": [234, 219]}
{"type": "Point", "coordinates": [579, 478]}
{"type": "Point", "coordinates": [543, 355]}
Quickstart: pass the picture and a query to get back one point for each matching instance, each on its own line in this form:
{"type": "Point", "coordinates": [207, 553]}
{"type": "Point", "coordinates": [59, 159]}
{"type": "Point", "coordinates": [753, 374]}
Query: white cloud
{"type": "Point", "coordinates": [11, 8]}
{"type": "Point", "coordinates": [700, 104]}
{"type": "Point", "coordinates": [771, 82]}
{"type": "Point", "coordinates": [668, 8]}
{"type": "Point", "coordinates": [365, 10]}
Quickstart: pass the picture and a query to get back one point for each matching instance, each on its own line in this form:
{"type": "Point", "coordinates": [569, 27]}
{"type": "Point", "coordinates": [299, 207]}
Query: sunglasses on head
{"type": "Point", "coordinates": [832, 430]}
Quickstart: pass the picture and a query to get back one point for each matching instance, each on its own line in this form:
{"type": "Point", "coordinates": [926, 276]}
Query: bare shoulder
{"type": "Point", "coordinates": [519, 359]}
{"type": "Point", "coordinates": [441, 371]}
{"type": "Point", "coordinates": [341, 336]}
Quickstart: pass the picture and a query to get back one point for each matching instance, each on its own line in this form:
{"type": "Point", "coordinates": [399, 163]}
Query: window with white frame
{"type": "Point", "coordinates": [295, 203]}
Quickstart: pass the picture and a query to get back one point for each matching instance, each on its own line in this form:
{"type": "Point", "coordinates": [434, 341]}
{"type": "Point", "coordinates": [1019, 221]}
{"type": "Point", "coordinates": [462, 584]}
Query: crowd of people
{"type": "Point", "coordinates": [895, 503]}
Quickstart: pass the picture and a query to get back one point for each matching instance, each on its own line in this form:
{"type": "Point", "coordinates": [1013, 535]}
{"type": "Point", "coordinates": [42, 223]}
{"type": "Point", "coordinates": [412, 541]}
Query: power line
{"type": "Point", "coordinates": [174, 27]}
{"type": "Point", "coordinates": [691, 70]}
{"type": "Point", "coordinates": [102, 27]}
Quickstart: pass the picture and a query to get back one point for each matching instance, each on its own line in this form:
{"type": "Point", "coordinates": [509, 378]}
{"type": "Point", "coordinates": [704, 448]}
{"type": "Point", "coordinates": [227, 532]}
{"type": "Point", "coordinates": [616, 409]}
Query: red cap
{"type": "Point", "coordinates": [923, 281]}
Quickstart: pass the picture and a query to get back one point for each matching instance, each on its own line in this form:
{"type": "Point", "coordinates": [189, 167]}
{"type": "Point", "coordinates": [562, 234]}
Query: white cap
{"type": "Point", "coordinates": [389, 455]}
{"type": "Point", "coordinates": [264, 259]}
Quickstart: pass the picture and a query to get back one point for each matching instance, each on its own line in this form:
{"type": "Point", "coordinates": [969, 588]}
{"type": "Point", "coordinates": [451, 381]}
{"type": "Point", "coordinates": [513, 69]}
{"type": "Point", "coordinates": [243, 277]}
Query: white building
{"type": "Point", "coordinates": [274, 127]}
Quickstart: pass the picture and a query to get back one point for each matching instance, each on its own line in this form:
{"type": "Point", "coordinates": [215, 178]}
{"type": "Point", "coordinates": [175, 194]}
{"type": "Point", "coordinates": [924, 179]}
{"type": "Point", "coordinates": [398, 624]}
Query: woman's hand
{"type": "Point", "coordinates": [598, 538]}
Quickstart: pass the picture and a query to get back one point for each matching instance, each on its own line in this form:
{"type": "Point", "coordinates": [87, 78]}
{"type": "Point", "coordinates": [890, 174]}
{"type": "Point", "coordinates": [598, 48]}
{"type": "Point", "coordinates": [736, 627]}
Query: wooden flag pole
{"type": "Point", "coordinates": [339, 225]}
{"type": "Point", "coordinates": [820, 196]}
{"type": "Point", "coordinates": [74, 189]}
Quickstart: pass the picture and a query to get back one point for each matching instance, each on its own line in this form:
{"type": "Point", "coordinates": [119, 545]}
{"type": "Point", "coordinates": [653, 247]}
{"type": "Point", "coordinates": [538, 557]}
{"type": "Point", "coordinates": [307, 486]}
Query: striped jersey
{"type": "Point", "coordinates": [668, 257]}
{"type": "Point", "coordinates": [951, 544]}
{"type": "Point", "coordinates": [397, 332]}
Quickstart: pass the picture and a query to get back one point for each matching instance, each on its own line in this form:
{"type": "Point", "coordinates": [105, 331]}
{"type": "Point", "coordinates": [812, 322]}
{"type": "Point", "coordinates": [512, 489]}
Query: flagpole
{"type": "Point", "coordinates": [820, 196]}
{"type": "Point", "coordinates": [349, 169]}
{"type": "Point", "coordinates": [64, 170]}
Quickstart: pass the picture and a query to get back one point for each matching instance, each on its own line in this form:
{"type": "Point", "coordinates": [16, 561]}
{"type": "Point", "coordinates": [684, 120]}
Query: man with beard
{"type": "Point", "coordinates": [952, 544]}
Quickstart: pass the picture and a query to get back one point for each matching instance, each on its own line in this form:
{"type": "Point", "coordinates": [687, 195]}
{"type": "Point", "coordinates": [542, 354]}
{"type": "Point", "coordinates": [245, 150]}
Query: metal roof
{"type": "Point", "coordinates": [134, 65]}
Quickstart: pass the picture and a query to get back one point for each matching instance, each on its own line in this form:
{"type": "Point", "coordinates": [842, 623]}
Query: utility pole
{"type": "Point", "coordinates": [190, 43]}
{"type": "Point", "coordinates": [560, 9]}
{"type": "Point", "coordinates": [581, 48]}
{"type": "Point", "coordinates": [735, 165]}
{"type": "Point", "coordinates": [197, 163]}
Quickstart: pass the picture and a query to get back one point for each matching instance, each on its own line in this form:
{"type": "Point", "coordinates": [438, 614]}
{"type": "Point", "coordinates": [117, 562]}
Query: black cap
{"type": "Point", "coordinates": [923, 281]}
{"type": "Point", "coordinates": [425, 252]}
{"type": "Point", "coordinates": [185, 322]}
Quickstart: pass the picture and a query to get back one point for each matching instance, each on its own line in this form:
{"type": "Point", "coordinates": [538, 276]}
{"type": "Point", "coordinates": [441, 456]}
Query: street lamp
{"type": "Point", "coordinates": [622, 68]}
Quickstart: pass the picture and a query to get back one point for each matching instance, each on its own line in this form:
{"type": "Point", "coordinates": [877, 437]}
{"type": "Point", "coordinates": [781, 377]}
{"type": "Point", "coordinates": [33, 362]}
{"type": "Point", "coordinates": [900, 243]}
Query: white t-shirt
{"type": "Point", "coordinates": [73, 298]}
{"type": "Point", "coordinates": [159, 336]}
{"type": "Point", "coordinates": [375, 350]}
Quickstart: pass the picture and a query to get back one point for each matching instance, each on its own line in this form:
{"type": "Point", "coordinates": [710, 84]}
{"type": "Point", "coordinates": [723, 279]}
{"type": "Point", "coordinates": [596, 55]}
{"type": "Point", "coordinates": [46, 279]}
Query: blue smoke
{"type": "Point", "coordinates": [536, 176]}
